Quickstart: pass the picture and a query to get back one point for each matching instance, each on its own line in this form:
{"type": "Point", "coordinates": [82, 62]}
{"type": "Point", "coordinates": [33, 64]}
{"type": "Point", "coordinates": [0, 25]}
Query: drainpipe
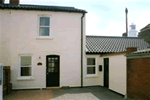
{"type": "Point", "coordinates": [82, 49]}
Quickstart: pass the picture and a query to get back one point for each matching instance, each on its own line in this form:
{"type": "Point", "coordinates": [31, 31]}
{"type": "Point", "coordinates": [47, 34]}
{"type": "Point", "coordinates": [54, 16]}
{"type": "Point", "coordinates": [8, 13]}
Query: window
{"type": "Point", "coordinates": [25, 65]}
{"type": "Point", "coordinates": [91, 66]}
{"type": "Point", "coordinates": [44, 26]}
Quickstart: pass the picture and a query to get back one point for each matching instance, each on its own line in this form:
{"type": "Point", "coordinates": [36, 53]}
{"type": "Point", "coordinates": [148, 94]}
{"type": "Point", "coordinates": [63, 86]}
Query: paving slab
{"type": "Point", "coordinates": [86, 93]}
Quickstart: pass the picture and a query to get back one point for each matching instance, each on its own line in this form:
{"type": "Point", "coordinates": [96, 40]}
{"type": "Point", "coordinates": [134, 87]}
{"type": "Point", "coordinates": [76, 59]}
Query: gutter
{"type": "Point", "coordinates": [82, 49]}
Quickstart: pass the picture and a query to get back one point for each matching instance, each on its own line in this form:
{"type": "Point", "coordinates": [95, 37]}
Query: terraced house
{"type": "Point", "coordinates": [42, 44]}
{"type": "Point", "coordinates": [46, 46]}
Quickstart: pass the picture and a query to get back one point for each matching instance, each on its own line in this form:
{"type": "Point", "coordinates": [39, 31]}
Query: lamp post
{"type": "Point", "coordinates": [126, 11]}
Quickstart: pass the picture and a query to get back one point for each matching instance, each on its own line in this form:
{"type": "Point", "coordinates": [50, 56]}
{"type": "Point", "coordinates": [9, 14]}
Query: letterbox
{"type": "Point", "coordinates": [100, 67]}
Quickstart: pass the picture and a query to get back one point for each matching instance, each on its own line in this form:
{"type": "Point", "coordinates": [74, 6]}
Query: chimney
{"type": "Point", "coordinates": [14, 2]}
{"type": "Point", "coordinates": [124, 35]}
{"type": "Point", "coordinates": [131, 49]}
{"type": "Point", "coordinates": [2, 1]}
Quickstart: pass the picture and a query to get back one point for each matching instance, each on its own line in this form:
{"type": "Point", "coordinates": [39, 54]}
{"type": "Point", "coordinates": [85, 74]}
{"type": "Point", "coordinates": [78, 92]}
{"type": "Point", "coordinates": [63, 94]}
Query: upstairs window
{"type": "Point", "coordinates": [44, 26]}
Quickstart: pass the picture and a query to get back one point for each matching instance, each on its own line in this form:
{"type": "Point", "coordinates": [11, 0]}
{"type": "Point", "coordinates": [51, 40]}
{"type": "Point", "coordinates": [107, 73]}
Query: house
{"type": "Point", "coordinates": [42, 44]}
{"type": "Point", "coordinates": [138, 76]}
{"type": "Point", "coordinates": [144, 33]}
{"type": "Point", "coordinates": [107, 53]}
{"type": "Point", "coordinates": [46, 46]}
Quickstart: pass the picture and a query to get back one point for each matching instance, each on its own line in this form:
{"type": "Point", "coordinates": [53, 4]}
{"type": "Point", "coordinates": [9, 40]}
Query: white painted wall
{"type": "Point", "coordinates": [93, 80]}
{"type": "Point", "coordinates": [117, 73]}
{"type": "Point", "coordinates": [19, 36]}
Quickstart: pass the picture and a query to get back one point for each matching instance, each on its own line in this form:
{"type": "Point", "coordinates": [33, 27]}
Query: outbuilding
{"type": "Point", "coordinates": [106, 60]}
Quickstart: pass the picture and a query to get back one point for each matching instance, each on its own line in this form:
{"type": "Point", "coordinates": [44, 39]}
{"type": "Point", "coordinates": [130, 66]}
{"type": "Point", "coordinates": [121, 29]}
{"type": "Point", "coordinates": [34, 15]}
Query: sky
{"type": "Point", "coordinates": [105, 17]}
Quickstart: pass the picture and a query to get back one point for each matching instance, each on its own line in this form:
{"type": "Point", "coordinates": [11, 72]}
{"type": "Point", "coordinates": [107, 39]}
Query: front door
{"type": "Point", "coordinates": [106, 72]}
{"type": "Point", "coordinates": [52, 70]}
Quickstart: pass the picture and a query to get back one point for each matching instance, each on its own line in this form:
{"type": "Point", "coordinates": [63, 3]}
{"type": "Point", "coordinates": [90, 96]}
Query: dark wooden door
{"type": "Point", "coordinates": [52, 70]}
{"type": "Point", "coordinates": [106, 72]}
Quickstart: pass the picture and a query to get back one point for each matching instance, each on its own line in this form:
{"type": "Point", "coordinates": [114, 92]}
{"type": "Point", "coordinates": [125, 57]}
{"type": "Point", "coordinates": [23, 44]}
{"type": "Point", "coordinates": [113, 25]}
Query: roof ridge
{"type": "Point", "coordinates": [38, 5]}
{"type": "Point", "coordinates": [42, 8]}
{"type": "Point", "coordinates": [113, 37]}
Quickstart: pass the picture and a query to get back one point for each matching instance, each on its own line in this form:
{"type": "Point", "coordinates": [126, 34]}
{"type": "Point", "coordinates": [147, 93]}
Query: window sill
{"type": "Point", "coordinates": [25, 78]}
{"type": "Point", "coordinates": [44, 38]}
{"type": "Point", "coordinates": [88, 76]}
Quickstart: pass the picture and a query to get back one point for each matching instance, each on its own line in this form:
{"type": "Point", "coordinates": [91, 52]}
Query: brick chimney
{"type": "Point", "coordinates": [14, 2]}
{"type": "Point", "coordinates": [131, 49]}
{"type": "Point", "coordinates": [2, 1]}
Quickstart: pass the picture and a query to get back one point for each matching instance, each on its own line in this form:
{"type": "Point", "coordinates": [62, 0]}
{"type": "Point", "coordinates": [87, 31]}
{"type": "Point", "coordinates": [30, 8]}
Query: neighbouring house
{"type": "Point", "coordinates": [43, 44]}
{"type": "Point", "coordinates": [106, 60]}
{"type": "Point", "coordinates": [138, 74]}
{"type": "Point", "coordinates": [145, 33]}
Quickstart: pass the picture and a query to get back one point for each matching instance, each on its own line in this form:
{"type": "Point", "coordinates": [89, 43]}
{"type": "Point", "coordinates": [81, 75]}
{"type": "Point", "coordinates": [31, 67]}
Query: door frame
{"type": "Point", "coordinates": [58, 65]}
{"type": "Point", "coordinates": [107, 73]}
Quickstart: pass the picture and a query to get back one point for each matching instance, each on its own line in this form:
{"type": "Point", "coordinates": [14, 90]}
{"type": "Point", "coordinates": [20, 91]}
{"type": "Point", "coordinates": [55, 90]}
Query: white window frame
{"type": "Point", "coordinates": [91, 75]}
{"type": "Point", "coordinates": [25, 66]}
{"type": "Point", "coordinates": [44, 26]}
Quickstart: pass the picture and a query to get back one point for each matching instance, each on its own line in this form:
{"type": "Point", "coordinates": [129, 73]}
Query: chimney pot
{"type": "Point", "coordinates": [131, 49]}
{"type": "Point", "coordinates": [2, 1]}
{"type": "Point", "coordinates": [14, 2]}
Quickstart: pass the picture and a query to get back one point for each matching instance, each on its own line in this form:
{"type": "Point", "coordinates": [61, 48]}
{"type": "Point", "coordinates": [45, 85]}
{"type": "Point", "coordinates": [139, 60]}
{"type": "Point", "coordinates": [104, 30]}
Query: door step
{"type": "Point", "coordinates": [47, 88]}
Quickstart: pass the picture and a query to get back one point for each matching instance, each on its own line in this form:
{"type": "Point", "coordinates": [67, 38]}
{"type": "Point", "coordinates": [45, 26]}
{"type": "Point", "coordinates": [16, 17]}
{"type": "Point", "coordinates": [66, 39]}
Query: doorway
{"type": "Point", "coordinates": [106, 72]}
{"type": "Point", "coordinates": [52, 70]}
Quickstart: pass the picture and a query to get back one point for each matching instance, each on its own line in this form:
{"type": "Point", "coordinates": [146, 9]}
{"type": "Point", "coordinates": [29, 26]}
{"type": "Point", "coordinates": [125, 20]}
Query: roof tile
{"type": "Point", "coordinates": [41, 7]}
{"type": "Point", "coordinates": [111, 44]}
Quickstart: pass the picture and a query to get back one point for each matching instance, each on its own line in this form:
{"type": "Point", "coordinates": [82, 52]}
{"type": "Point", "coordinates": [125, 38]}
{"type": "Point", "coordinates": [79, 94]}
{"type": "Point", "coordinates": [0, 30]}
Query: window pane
{"type": "Point", "coordinates": [56, 59]}
{"type": "Point", "coordinates": [91, 70]}
{"type": "Point", "coordinates": [51, 64]}
{"type": "Point", "coordinates": [50, 69]}
{"type": "Point", "coordinates": [44, 31]}
{"type": "Point", "coordinates": [44, 21]}
{"type": "Point", "coordinates": [25, 71]}
{"type": "Point", "coordinates": [25, 60]}
{"type": "Point", "coordinates": [90, 61]}
{"type": "Point", "coordinates": [49, 59]}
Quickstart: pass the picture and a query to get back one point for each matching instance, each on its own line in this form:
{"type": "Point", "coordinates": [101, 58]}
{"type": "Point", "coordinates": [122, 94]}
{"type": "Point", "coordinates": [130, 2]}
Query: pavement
{"type": "Point", "coordinates": [86, 93]}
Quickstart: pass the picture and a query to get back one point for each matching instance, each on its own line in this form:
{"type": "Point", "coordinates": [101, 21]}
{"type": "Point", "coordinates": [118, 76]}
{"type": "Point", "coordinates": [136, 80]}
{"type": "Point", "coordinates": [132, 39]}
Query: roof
{"type": "Point", "coordinates": [41, 8]}
{"type": "Point", "coordinates": [139, 52]}
{"type": "Point", "coordinates": [112, 44]}
{"type": "Point", "coordinates": [146, 27]}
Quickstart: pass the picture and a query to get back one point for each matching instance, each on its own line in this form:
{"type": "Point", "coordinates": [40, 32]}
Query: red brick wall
{"type": "Point", "coordinates": [14, 2]}
{"type": "Point", "coordinates": [138, 78]}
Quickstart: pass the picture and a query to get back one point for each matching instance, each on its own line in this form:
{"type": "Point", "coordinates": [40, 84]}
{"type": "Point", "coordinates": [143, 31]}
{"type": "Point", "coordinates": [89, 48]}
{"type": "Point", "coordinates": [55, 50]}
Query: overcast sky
{"type": "Point", "coordinates": [105, 17]}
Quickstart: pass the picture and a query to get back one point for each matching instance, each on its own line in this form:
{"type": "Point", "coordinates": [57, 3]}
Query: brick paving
{"type": "Point", "coordinates": [86, 93]}
{"type": "Point", "coordinates": [29, 95]}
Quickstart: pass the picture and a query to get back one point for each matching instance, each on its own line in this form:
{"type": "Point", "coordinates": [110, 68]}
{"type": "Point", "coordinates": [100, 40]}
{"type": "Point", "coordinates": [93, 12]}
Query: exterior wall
{"type": "Point", "coordinates": [93, 80]}
{"type": "Point", "coordinates": [117, 73]}
{"type": "Point", "coordinates": [138, 78]}
{"type": "Point", "coordinates": [19, 36]}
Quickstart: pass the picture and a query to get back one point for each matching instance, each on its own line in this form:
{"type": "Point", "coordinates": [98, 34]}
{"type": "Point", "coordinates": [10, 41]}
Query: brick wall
{"type": "Point", "coordinates": [138, 78]}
